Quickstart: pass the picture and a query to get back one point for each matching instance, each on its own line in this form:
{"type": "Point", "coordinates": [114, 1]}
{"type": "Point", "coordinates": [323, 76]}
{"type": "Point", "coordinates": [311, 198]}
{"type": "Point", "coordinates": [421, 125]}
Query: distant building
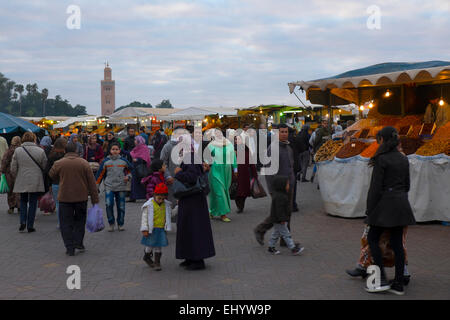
{"type": "Point", "coordinates": [108, 88]}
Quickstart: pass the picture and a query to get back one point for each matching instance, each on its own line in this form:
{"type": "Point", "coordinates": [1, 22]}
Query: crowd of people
{"type": "Point", "coordinates": [173, 188]}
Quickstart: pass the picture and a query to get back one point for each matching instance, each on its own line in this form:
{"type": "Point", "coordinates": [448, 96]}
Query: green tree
{"type": "Point", "coordinates": [44, 95]}
{"type": "Point", "coordinates": [19, 88]}
{"type": "Point", "coordinates": [135, 104]}
{"type": "Point", "coordinates": [164, 104]}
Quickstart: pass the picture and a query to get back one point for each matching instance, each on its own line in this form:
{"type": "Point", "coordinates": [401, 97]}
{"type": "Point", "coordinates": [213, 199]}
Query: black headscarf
{"type": "Point", "coordinates": [390, 142]}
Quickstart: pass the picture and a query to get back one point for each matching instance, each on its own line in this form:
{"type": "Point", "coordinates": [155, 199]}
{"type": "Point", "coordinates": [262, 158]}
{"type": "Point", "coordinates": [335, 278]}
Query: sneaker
{"type": "Point", "coordinates": [225, 219]}
{"type": "Point", "coordinates": [397, 288]}
{"type": "Point", "coordinates": [305, 180]}
{"type": "Point", "coordinates": [30, 230]}
{"type": "Point", "coordinates": [357, 272]}
{"type": "Point", "coordinates": [120, 228]}
{"type": "Point", "coordinates": [297, 250]}
{"type": "Point", "coordinates": [111, 228]}
{"type": "Point", "coordinates": [273, 250]}
{"type": "Point", "coordinates": [259, 237]}
{"type": "Point", "coordinates": [22, 227]}
{"type": "Point", "coordinates": [384, 286]}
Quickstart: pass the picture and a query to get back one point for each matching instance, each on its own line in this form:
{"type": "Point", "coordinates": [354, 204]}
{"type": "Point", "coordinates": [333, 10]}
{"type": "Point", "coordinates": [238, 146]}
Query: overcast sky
{"type": "Point", "coordinates": [231, 53]}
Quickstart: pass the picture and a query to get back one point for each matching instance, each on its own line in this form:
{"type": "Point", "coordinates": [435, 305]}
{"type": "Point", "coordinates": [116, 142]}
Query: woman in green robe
{"type": "Point", "coordinates": [223, 168]}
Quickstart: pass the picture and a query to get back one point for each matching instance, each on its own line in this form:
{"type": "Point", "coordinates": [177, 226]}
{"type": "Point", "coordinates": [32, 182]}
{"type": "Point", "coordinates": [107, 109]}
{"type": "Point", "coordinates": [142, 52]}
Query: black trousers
{"type": "Point", "coordinates": [240, 202]}
{"type": "Point", "coordinates": [72, 222]}
{"type": "Point", "coordinates": [396, 242]}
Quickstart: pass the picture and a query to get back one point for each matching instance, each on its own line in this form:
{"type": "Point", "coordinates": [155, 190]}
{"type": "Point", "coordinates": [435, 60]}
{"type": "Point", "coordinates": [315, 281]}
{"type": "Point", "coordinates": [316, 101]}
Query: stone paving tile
{"type": "Point", "coordinates": [34, 265]}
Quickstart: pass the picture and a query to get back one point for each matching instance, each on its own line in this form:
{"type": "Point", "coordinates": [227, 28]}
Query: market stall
{"type": "Point", "coordinates": [11, 126]}
{"type": "Point", "coordinates": [411, 97]}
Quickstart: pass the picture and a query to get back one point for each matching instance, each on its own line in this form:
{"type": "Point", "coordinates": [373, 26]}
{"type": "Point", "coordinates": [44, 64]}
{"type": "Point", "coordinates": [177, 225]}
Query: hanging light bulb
{"type": "Point", "coordinates": [361, 108]}
{"type": "Point", "coordinates": [387, 94]}
{"type": "Point", "coordinates": [441, 102]}
{"type": "Point", "coordinates": [370, 105]}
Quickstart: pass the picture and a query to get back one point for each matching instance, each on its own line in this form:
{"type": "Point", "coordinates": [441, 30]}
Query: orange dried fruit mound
{"type": "Point", "coordinates": [369, 152]}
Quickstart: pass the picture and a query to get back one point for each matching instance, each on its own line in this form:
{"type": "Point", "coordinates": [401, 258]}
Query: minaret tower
{"type": "Point", "coordinates": [108, 92]}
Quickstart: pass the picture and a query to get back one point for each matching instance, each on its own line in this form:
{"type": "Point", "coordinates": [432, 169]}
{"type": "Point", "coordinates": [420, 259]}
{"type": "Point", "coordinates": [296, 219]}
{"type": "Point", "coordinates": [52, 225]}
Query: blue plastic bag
{"type": "Point", "coordinates": [94, 221]}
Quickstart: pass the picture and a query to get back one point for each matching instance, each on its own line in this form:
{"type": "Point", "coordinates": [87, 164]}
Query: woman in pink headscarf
{"type": "Point", "coordinates": [141, 156]}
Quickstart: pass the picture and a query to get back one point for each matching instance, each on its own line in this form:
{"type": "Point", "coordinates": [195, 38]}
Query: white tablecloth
{"type": "Point", "coordinates": [344, 184]}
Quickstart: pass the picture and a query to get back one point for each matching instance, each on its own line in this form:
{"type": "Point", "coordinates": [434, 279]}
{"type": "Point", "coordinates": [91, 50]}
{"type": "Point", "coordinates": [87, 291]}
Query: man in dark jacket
{"type": "Point", "coordinates": [286, 168]}
{"type": "Point", "coordinates": [129, 143]}
{"type": "Point", "coordinates": [302, 147]}
{"type": "Point", "coordinates": [322, 135]}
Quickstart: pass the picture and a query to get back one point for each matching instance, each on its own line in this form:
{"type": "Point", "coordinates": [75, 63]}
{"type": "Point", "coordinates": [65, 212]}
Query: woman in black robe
{"type": "Point", "coordinates": [194, 235]}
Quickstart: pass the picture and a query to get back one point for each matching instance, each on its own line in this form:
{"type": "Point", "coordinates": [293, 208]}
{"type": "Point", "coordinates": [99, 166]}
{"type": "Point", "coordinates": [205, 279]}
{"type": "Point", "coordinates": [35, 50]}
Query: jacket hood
{"type": "Point", "coordinates": [279, 183]}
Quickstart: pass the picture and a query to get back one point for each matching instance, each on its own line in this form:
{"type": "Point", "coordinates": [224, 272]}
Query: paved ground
{"type": "Point", "coordinates": [34, 265]}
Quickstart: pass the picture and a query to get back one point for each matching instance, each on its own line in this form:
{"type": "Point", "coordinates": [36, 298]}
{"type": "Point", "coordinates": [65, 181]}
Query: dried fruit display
{"type": "Point", "coordinates": [351, 149]}
{"type": "Point", "coordinates": [427, 129]}
{"type": "Point", "coordinates": [410, 120]}
{"type": "Point", "coordinates": [404, 130]}
{"type": "Point", "coordinates": [442, 133]}
{"type": "Point", "coordinates": [361, 124]}
{"type": "Point", "coordinates": [327, 151]}
{"type": "Point", "coordinates": [388, 121]}
{"type": "Point", "coordinates": [414, 132]}
{"type": "Point", "coordinates": [369, 152]}
{"type": "Point", "coordinates": [364, 133]}
{"type": "Point", "coordinates": [432, 148]}
{"type": "Point", "coordinates": [374, 130]}
{"type": "Point", "coordinates": [410, 145]}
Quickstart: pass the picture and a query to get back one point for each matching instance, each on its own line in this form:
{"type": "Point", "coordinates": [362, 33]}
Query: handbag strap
{"type": "Point", "coordinates": [33, 159]}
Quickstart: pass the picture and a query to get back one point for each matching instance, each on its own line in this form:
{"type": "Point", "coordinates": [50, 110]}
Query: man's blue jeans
{"type": "Point", "coordinates": [55, 189]}
{"type": "Point", "coordinates": [119, 197]}
{"type": "Point", "coordinates": [28, 206]}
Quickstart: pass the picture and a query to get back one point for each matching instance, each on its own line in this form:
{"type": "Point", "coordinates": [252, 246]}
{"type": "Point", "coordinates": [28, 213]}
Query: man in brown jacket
{"type": "Point", "coordinates": [76, 183]}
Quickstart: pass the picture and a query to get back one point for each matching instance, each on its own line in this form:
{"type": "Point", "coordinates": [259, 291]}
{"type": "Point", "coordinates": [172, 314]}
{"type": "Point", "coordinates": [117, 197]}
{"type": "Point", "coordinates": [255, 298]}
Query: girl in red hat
{"type": "Point", "coordinates": [156, 214]}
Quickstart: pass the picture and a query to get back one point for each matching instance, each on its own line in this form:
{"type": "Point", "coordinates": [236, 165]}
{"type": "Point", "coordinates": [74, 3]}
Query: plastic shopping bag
{"type": "Point", "coordinates": [47, 203]}
{"type": "Point", "coordinates": [4, 188]}
{"type": "Point", "coordinates": [94, 221]}
{"type": "Point", "coordinates": [256, 189]}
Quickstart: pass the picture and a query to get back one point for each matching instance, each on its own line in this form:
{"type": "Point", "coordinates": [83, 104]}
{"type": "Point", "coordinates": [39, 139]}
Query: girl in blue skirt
{"type": "Point", "coordinates": [156, 220]}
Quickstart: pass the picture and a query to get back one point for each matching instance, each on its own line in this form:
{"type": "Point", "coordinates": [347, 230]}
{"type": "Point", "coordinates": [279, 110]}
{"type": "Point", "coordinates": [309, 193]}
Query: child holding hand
{"type": "Point", "coordinates": [155, 222]}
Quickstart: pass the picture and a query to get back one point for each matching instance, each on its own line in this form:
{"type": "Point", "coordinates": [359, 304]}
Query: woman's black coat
{"type": "Point", "coordinates": [387, 201]}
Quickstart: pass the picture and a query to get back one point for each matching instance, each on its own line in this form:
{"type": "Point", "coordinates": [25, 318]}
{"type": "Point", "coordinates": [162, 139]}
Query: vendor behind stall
{"type": "Point", "coordinates": [436, 113]}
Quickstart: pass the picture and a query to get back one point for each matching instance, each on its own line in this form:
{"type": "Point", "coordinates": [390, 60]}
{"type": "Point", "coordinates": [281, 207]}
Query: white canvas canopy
{"type": "Point", "coordinates": [73, 120]}
{"type": "Point", "coordinates": [187, 114]}
{"type": "Point", "coordinates": [196, 114]}
{"type": "Point", "coordinates": [130, 112]}
{"type": "Point", "coordinates": [381, 75]}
